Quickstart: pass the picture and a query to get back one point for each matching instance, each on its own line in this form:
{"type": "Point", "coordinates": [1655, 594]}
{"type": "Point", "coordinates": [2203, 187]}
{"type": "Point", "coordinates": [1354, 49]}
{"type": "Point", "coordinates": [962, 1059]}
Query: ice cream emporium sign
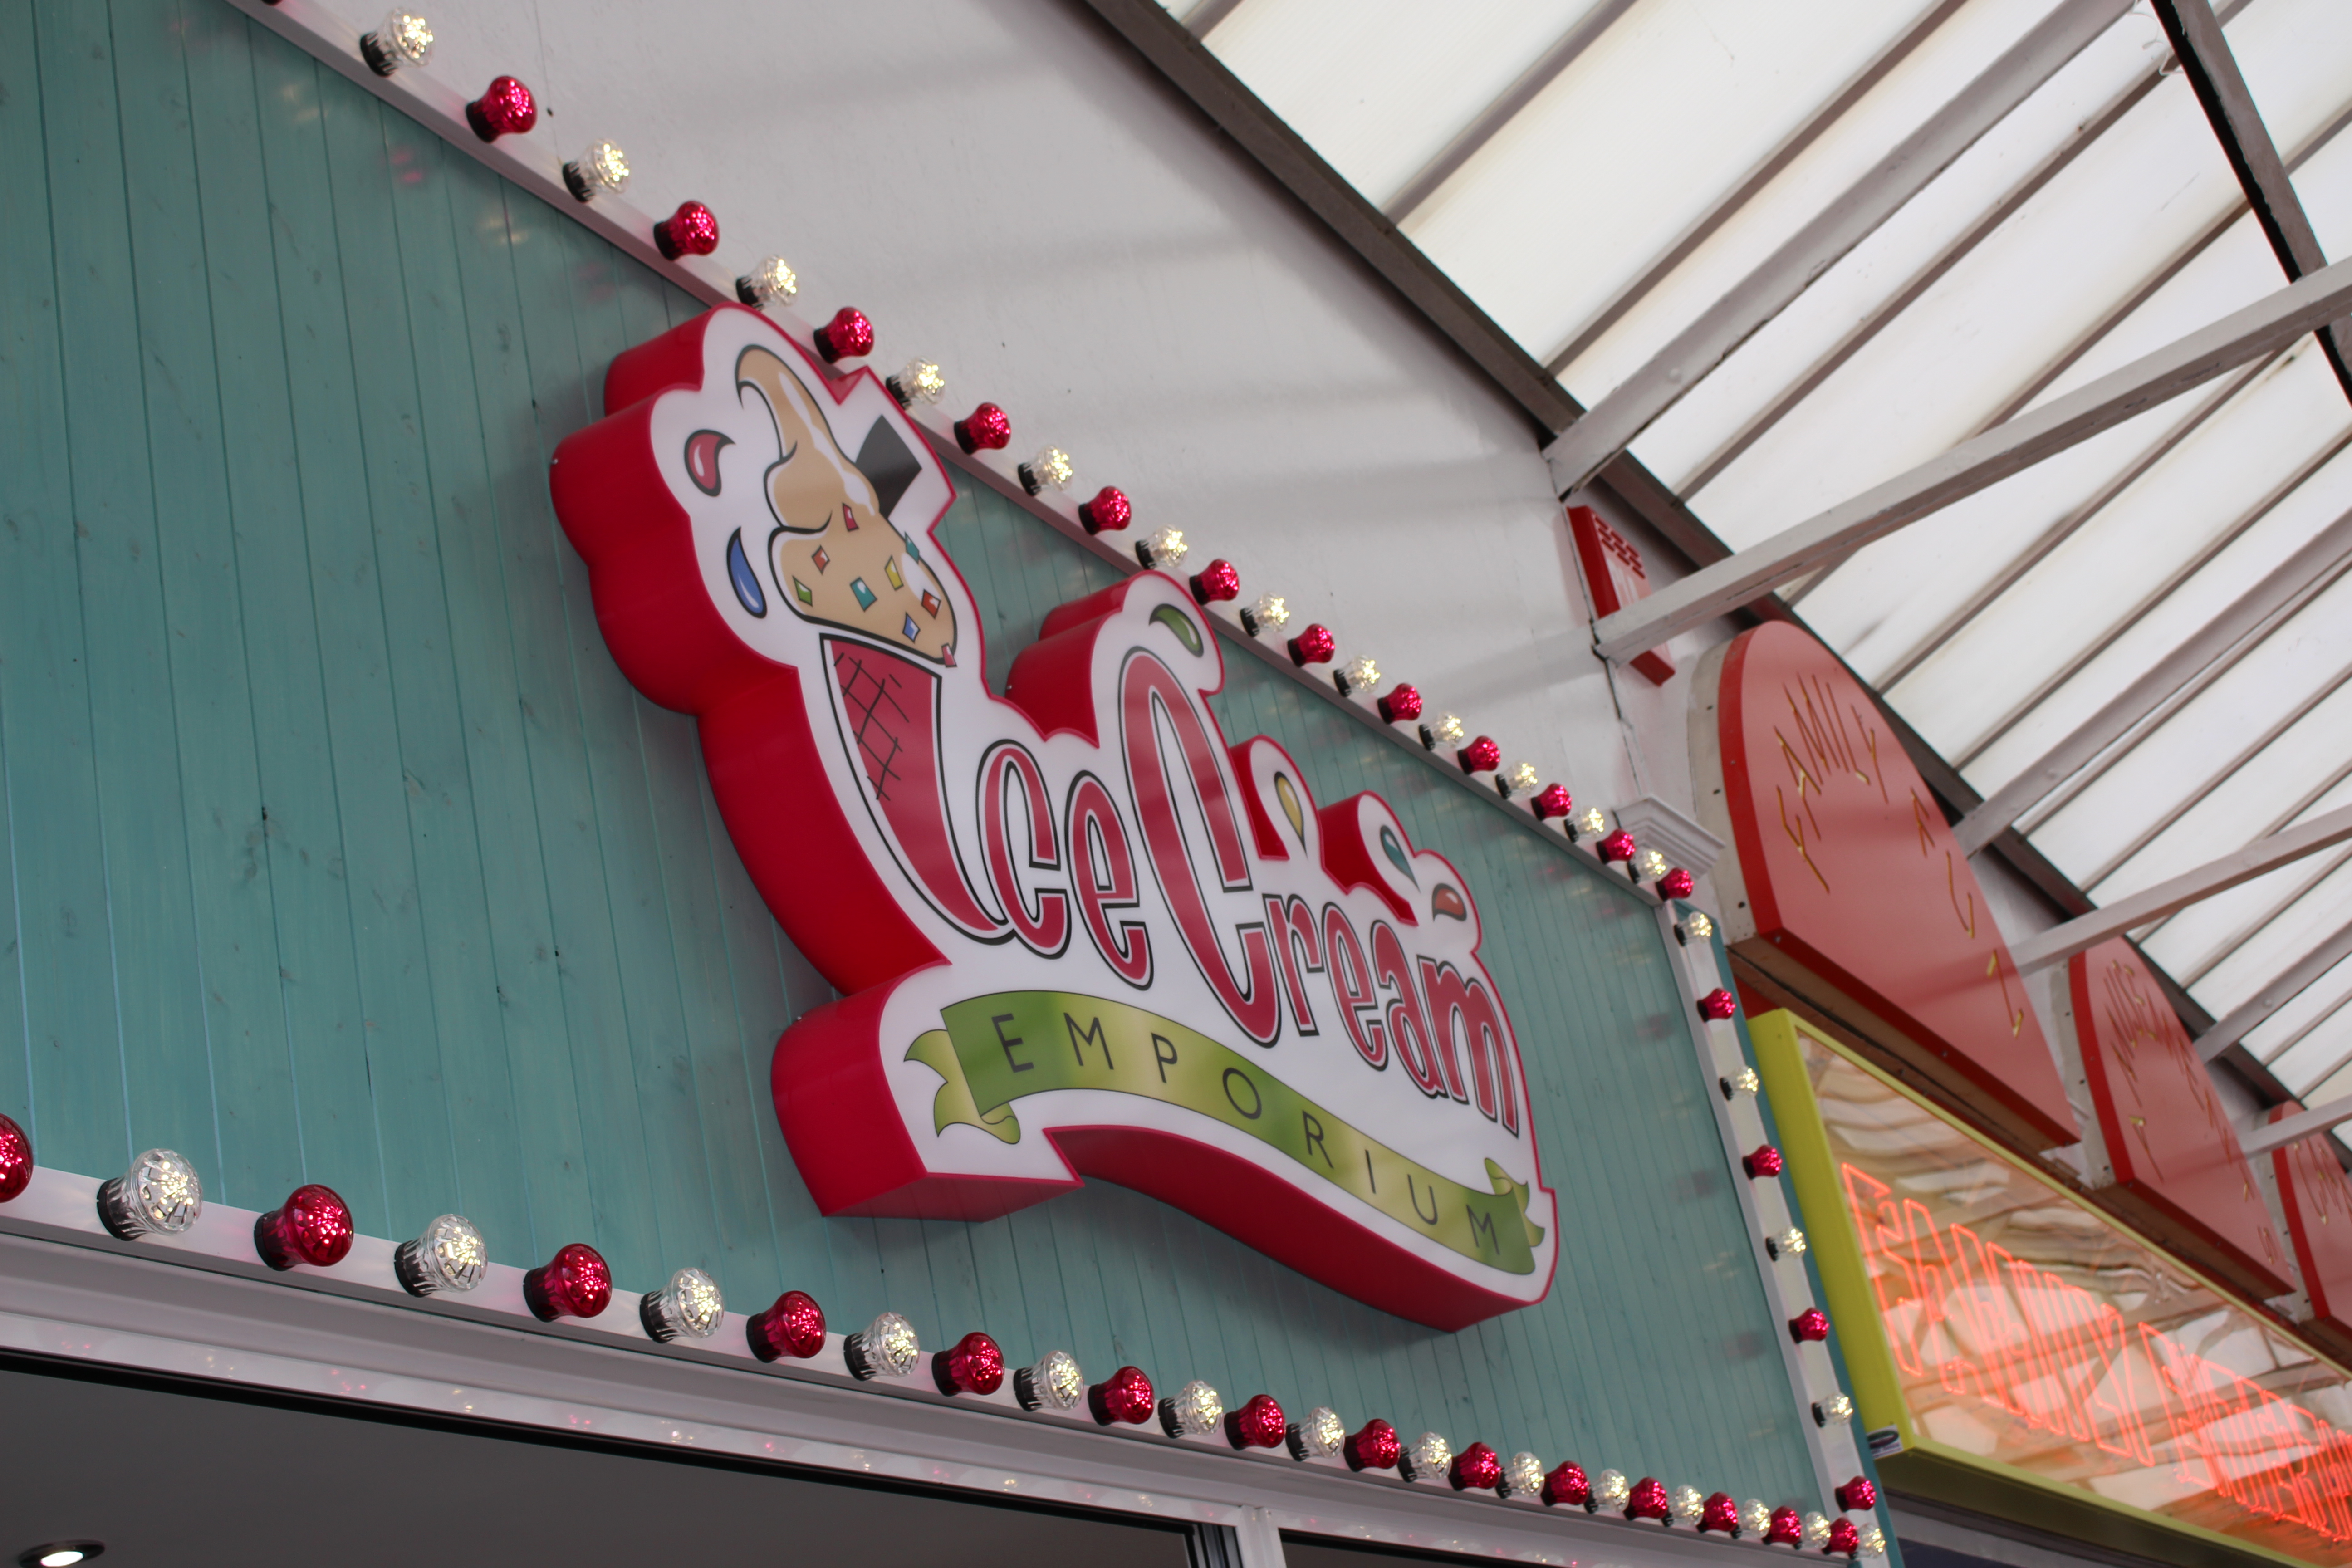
{"type": "Point", "coordinates": [1076, 931]}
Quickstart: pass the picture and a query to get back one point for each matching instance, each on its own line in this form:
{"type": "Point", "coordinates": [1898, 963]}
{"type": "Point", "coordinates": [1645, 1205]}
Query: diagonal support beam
{"type": "Point", "coordinates": [2294, 1128]}
{"type": "Point", "coordinates": [2260, 329]}
{"type": "Point", "coordinates": [1611, 426]}
{"type": "Point", "coordinates": [2061, 943]}
{"type": "Point", "coordinates": [2212, 71]}
{"type": "Point", "coordinates": [2245, 1018]}
{"type": "Point", "coordinates": [2291, 584]}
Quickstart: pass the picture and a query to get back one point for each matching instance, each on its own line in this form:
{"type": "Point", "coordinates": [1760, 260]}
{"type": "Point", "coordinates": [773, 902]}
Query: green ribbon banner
{"type": "Point", "coordinates": [995, 1049]}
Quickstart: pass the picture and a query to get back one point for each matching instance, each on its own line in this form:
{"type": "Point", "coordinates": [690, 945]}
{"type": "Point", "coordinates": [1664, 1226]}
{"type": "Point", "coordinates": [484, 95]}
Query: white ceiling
{"type": "Point", "coordinates": [1598, 213]}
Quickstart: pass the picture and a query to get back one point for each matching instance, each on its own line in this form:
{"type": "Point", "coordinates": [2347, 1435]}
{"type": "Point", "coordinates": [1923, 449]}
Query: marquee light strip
{"type": "Point", "coordinates": [538, 167]}
{"type": "Point", "coordinates": [60, 1206]}
{"type": "Point", "coordinates": [1827, 1415]}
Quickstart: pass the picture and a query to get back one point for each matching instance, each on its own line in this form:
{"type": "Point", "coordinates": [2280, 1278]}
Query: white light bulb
{"type": "Point", "coordinates": [1789, 1243]}
{"type": "Point", "coordinates": [63, 1558]}
{"type": "Point", "coordinates": [919, 379]}
{"type": "Point", "coordinates": [601, 171]}
{"type": "Point", "coordinates": [1166, 547]}
{"type": "Point", "coordinates": [1524, 1476]}
{"type": "Point", "coordinates": [1653, 865]}
{"type": "Point", "coordinates": [1699, 925]}
{"type": "Point", "coordinates": [1360, 674]}
{"type": "Point", "coordinates": [1611, 1489]}
{"type": "Point", "coordinates": [1594, 821]}
{"type": "Point", "coordinates": [1754, 1518]}
{"type": "Point", "coordinates": [1194, 1411]}
{"type": "Point", "coordinates": [886, 1347]}
{"type": "Point", "coordinates": [1427, 1459]}
{"type": "Point", "coordinates": [1525, 777]}
{"type": "Point", "coordinates": [160, 1195]}
{"type": "Point", "coordinates": [1051, 466]}
{"type": "Point", "coordinates": [449, 1256]}
{"type": "Point", "coordinates": [1269, 613]}
{"type": "Point", "coordinates": [688, 1307]}
{"type": "Point", "coordinates": [1817, 1532]}
{"type": "Point", "coordinates": [401, 38]}
{"type": "Point", "coordinates": [770, 283]}
{"type": "Point", "coordinates": [1448, 729]}
{"type": "Point", "coordinates": [1319, 1435]}
{"type": "Point", "coordinates": [1054, 1384]}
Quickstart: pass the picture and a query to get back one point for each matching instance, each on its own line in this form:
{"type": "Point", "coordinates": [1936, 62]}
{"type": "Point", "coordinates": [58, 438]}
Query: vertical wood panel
{"type": "Point", "coordinates": [429, 868]}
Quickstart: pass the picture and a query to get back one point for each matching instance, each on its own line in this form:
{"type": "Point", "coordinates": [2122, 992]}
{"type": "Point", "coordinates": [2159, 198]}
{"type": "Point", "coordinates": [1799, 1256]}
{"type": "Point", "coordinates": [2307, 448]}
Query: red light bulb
{"type": "Point", "coordinates": [1617, 846]}
{"type": "Point", "coordinates": [1314, 645]}
{"type": "Point", "coordinates": [1480, 756]}
{"type": "Point", "coordinates": [1219, 580]}
{"type": "Point", "coordinates": [313, 1227]}
{"type": "Point", "coordinates": [15, 1159]}
{"type": "Point", "coordinates": [985, 425]}
{"type": "Point", "coordinates": [794, 1327]}
{"type": "Point", "coordinates": [1786, 1529]}
{"type": "Point", "coordinates": [1648, 1501]}
{"type": "Point", "coordinates": [1376, 1447]}
{"type": "Point", "coordinates": [506, 109]}
{"type": "Point", "coordinates": [574, 1283]}
{"type": "Point", "coordinates": [1858, 1495]}
{"type": "Point", "coordinates": [1676, 884]}
{"type": "Point", "coordinates": [976, 1366]}
{"type": "Point", "coordinates": [1765, 1162]}
{"type": "Point", "coordinates": [1401, 706]}
{"type": "Point", "coordinates": [1553, 800]}
{"type": "Point", "coordinates": [1811, 1324]}
{"type": "Point", "coordinates": [1845, 1540]}
{"type": "Point", "coordinates": [849, 335]}
{"type": "Point", "coordinates": [1568, 1486]}
{"type": "Point", "coordinates": [692, 230]}
{"type": "Point", "coordinates": [1719, 1513]}
{"type": "Point", "coordinates": [1257, 1425]}
{"type": "Point", "coordinates": [1123, 1395]}
{"type": "Point", "coordinates": [1718, 1005]}
{"type": "Point", "coordinates": [1109, 513]}
{"type": "Point", "coordinates": [1476, 1468]}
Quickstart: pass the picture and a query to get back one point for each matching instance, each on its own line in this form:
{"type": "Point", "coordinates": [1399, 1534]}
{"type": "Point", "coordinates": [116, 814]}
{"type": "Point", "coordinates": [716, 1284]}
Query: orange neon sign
{"type": "Point", "coordinates": [2026, 1331]}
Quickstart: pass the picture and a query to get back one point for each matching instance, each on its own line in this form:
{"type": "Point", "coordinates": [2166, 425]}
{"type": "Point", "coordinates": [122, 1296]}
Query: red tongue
{"type": "Point", "coordinates": [892, 704]}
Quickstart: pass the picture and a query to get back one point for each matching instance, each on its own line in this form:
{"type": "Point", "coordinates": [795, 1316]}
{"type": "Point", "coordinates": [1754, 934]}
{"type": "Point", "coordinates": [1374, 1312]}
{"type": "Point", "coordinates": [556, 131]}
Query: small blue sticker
{"type": "Point", "coordinates": [747, 584]}
{"type": "Point", "coordinates": [910, 630]}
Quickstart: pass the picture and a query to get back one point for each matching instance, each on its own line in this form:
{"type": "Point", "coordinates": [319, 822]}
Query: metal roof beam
{"type": "Point", "coordinates": [1752, 183]}
{"type": "Point", "coordinates": [2289, 585]}
{"type": "Point", "coordinates": [2213, 75]}
{"type": "Point", "coordinates": [2245, 1018]}
{"type": "Point", "coordinates": [1582, 33]}
{"type": "Point", "coordinates": [2296, 1128]}
{"type": "Point", "coordinates": [2061, 943]}
{"type": "Point", "coordinates": [2245, 335]}
{"type": "Point", "coordinates": [1611, 426]}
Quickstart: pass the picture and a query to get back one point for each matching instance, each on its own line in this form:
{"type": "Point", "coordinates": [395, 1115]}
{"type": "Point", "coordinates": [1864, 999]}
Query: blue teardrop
{"type": "Point", "coordinates": [747, 585]}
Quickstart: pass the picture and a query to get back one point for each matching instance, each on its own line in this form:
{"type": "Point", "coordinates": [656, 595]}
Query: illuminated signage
{"type": "Point", "coordinates": [1844, 891]}
{"type": "Point", "coordinates": [2008, 1332]}
{"type": "Point", "coordinates": [1076, 931]}
{"type": "Point", "coordinates": [2162, 1135]}
{"type": "Point", "coordinates": [2316, 1199]}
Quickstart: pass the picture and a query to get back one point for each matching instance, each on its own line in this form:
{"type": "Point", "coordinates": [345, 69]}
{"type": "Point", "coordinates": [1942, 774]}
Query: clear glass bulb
{"type": "Point", "coordinates": [1319, 1435]}
{"type": "Point", "coordinates": [690, 1305]}
{"type": "Point", "coordinates": [922, 379]}
{"type": "Point", "coordinates": [1166, 547]}
{"type": "Point", "coordinates": [1874, 1540]}
{"type": "Point", "coordinates": [1525, 777]}
{"type": "Point", "coordinates": [1817, 1532]}
{"type": "Point", "coordinates": [1051, 466]}
{"type": "Point", "coordinates": [770, 283]}
{"type": "Point", "coordinates": [1836, 1408]}
{"type": "Point", "coordinates": [1054, 1384]}
{"type": "Point", "coordinates": [886, 1347]}
{"type": "Point", "coordinates": [1448, 729]}
{"type": "Point", "coordinates": [450, 1255]}
{"type": "Point", "coordinates": [1194, 1410]}
{"type": "Point", "coordinates": [1653, 865]}
{"type": "Point", "coordinates": [1745, 1080]}
{"type": "Point", "coordinates": [1427, 1458]}
{"type": "Point", "coordinates": [1686, 1504]}
{"type": "Point", "coordinates": [1362, 674]}
{"type": "Point", "coordinates": [1754, 1518]}
{"type": "Point", "coordinates": [1790, 1242]}
{"type": "Point", "coordinates": [401, 38]}
{"type": "Point", "coordinates": [1594, 821]}
{"type": "Point", "coordinates": [1270, 613]}
{"type": "Point", "coordinates": [1524, 1476]}
{"type": "Point", "coordinates": [1699, 925]}
{"type": "Point", "coordinates": [601, 171]}
{"type": "Point", "coordinates": [160, 1195]}
{"type": "Point", "coordinates": [1611, 1489]}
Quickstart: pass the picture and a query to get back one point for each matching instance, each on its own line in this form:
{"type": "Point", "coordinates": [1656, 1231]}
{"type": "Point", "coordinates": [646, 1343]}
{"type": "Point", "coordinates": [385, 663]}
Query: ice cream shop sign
{"type": "Point", "coordinates": [1074, 930]}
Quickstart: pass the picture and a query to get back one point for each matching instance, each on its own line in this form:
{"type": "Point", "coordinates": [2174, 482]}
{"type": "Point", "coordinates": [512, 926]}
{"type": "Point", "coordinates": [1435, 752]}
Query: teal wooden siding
{"type": "Point", "coordinates": [337, 849]}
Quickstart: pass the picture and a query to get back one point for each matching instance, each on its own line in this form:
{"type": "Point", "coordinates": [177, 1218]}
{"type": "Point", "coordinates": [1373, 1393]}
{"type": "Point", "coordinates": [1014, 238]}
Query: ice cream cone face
{"type": "Point", "coordinates": [835, 559]}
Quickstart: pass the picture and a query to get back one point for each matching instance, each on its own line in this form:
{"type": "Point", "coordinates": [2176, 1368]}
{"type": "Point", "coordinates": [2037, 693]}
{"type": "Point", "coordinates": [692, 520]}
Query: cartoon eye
{"type": "Point", "coordinates": [1447, 900]}
{"type": "Point", "coordinates": [702, 450]}
{"type": "Point", "coordinates": [1395, 852]}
